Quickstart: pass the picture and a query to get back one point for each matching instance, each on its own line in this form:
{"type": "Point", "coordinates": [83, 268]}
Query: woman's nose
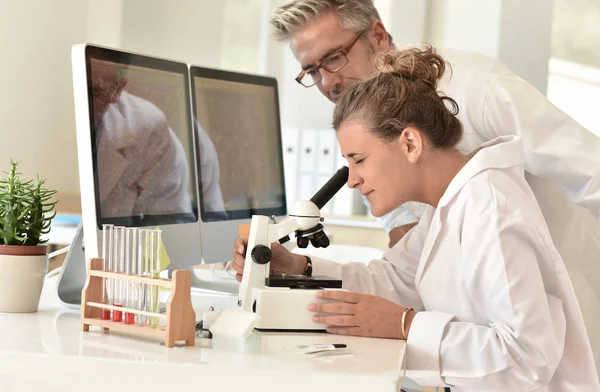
{"type": "Point", "coordinates": [353, 180]}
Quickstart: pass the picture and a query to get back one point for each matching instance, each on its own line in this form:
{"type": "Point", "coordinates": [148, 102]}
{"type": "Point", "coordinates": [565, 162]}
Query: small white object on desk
{"type": "Point", "coordinates": [233, 324]}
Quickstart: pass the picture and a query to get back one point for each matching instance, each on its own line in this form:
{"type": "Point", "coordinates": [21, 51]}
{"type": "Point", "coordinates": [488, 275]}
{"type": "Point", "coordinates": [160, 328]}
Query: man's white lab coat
{"type": "Point", "coordinates": [562, 164]}
{"type": "Point", "coordinates": [497, 308]}
{"type": "Point", "coordinates": [143, 169]}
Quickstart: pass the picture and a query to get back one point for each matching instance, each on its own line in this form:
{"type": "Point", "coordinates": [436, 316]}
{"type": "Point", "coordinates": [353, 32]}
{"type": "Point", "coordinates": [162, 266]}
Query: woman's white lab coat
{"type": "Point", "coordinates": [497, 309]}
{"type": "Point", "coordinates": [561, 160]}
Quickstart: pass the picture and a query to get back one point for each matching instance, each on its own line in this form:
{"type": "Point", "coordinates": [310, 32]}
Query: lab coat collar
{"type": "Point", "coordinates": [500, 153]}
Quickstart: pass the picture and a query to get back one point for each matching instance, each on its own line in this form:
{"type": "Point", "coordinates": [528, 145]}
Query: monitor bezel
{"type": "Point", "coordinates": [231, 76]}
{"type": "Point", "coordinates": [127, 58]}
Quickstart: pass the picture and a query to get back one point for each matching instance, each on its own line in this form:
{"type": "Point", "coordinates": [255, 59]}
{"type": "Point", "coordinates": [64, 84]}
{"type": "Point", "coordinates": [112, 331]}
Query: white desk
{"type": "Point", "coordinates": [46, 351]}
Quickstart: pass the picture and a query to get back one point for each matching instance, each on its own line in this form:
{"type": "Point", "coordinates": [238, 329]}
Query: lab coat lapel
{"type": "Point", "coordinates": [430, 241]}
{"type": "Point", "coordinates": [500, 153]}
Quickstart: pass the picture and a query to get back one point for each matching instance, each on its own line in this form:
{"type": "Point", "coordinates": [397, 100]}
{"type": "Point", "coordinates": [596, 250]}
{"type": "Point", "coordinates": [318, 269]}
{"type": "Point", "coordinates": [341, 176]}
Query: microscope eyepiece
{"type": "Point", "coordinates": [331, 187]}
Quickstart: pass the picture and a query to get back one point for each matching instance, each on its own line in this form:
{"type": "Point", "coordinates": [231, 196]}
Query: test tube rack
{"type": "Point", "coordinates": [180, 316]}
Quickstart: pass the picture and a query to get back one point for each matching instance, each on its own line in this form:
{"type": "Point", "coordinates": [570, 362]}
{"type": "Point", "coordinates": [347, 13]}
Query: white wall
{"type": "Point", "coordinates": [104, 20]}
{"type": "Point", "coordinates": [36, 104]}
{"type": "Point", "coordinates": [184, 30]}
{"type": "Point", "coordinates": [518, 33]}
{"type": "Point", "coordinates": [575, 89]}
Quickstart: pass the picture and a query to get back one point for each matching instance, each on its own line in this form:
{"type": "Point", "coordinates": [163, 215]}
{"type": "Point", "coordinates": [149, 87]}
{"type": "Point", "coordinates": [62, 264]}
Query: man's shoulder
{"type": "Point", "coordinates": [469, 71]}
{"type": "Point", "coordinates": [473, 61]}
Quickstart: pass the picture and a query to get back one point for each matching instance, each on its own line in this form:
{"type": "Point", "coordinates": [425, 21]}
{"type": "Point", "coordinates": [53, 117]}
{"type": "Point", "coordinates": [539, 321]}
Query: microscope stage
{"type": "Point", "coordinates": [303, 282]}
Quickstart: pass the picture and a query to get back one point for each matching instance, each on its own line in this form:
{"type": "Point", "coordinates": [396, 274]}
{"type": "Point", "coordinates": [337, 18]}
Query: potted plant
{"type": "Point", "coordinates": [26, 211]}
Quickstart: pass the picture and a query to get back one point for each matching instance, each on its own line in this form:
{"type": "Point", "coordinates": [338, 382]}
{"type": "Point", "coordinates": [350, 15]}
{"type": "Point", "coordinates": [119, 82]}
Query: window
{"type": "Point", "coordinates": [574, 68]}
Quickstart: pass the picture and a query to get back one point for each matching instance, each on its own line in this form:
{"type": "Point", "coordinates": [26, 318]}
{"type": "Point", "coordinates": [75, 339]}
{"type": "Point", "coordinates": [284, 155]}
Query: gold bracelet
{"type": "Point", "coordinates": [402, 326]}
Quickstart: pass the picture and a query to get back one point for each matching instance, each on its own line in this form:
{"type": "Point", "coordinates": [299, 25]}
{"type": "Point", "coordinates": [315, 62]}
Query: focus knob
{"type": "Point", "coordinates": [261, 254]}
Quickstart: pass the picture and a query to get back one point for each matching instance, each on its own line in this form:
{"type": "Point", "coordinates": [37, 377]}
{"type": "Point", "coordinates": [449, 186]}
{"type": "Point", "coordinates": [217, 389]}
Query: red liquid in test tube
{"type": "Point", "coordinates": [129, 318]}
{"type": "Point", "coordinates": [105, 314]}
{"type": "Point", "coordinates": [117, 314]}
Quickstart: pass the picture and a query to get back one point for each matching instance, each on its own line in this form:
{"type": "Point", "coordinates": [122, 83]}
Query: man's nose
{"type": "Point", "coordinates": [329, 80]}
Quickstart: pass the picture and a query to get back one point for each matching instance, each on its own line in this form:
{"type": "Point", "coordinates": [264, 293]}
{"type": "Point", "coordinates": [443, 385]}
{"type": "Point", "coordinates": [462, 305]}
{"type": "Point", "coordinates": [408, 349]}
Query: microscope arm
{"type": "Point", "coordinates": [282, 229]}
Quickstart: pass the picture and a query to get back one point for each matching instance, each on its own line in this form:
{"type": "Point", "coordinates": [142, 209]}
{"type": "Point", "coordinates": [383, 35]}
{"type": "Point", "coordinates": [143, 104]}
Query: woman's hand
{"type": "Point", "coordinates": [283, 261]}
{"type": "Point", "coordinates": [360, 315]}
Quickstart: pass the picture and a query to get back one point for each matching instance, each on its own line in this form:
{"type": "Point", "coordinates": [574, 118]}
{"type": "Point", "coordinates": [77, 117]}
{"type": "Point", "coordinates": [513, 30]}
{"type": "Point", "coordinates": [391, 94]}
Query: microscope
{"type": "Point", "coordinates": [282, 301]}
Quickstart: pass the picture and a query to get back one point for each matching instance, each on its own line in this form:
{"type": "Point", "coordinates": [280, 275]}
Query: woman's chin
{"type": "Point", "coordinates": [378, 212]}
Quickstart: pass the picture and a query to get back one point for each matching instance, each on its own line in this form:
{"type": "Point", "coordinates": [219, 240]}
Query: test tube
{"type": "Point", "coordinates": [118, 264]}
{"type": "Point", "coordinates": [130, 267]}
{"type": "Point", "coordinates": [154, 262]}
{"type": "Point", "coordinates": [107, 249]}
{"type": "Point", "coordinates": [142, 270]}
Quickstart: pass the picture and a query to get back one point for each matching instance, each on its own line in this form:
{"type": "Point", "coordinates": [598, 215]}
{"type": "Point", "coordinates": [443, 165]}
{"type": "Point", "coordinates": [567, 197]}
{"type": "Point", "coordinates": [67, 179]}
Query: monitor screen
{"type": "Point", "coordinates": [239, 145]}
{"type": "Point", "coordinates": [142, 139]}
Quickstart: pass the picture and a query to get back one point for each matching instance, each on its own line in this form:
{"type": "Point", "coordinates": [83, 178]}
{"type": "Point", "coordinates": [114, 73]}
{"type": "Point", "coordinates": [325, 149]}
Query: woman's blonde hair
{"type": "Point", "coordinates": [403, 93]}
{"type": "Point", "coordinates": [355, 15]}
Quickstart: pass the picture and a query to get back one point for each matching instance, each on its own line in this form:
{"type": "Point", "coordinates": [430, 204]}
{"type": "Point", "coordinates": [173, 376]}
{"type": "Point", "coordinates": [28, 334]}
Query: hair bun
{"type": "Point", "coordinates": [419, 63]}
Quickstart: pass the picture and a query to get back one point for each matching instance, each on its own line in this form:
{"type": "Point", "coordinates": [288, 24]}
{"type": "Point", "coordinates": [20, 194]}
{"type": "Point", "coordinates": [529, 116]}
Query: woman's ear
{"type": "Point", "coordinates": [412, 144]}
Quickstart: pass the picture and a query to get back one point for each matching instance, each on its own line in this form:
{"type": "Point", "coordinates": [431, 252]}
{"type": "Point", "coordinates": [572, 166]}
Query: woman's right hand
{"type": "Point", "coordinates": [282, 260]}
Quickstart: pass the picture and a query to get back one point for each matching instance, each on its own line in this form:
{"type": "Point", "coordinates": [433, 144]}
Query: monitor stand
{"type": "Point", "coordinates": [73, 274]}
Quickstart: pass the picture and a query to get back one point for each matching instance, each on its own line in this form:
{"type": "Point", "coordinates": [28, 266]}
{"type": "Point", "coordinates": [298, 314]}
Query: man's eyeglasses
{"type": "Point", "coordinates": [332, 63]}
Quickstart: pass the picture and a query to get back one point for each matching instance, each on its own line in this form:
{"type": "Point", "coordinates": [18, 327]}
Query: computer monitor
{"type": "Point", "coordinates": [238, 123]}
{"type": "Point", "coordinates": [136, 148]}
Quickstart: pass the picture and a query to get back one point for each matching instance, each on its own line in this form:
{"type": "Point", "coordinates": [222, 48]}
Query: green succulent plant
{"type": "Point", "coordinates": [26, 209]}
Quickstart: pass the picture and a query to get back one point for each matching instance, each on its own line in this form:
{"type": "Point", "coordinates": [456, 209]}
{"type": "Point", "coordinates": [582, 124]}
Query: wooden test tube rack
{"type": "Point", "coordinates": [180, 315]}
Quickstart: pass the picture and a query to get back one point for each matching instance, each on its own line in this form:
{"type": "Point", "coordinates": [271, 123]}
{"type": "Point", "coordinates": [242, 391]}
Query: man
{"type": "Point", "coordinates": [335, 42]}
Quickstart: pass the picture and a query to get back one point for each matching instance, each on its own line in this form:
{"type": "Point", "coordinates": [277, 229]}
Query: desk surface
{"type": "Point", "coordinates": [47, 350]}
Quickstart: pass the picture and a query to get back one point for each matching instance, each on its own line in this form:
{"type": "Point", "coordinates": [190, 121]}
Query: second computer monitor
{"type": "Point", "coordinates": [240, 159]}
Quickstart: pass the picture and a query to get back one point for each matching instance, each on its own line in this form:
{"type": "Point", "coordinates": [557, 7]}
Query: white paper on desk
{"type": "Point", "coordinates": [234, 324]}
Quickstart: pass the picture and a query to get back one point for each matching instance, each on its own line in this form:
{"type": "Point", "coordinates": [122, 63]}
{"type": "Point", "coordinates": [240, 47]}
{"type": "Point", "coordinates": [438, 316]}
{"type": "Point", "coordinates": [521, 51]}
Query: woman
{"type": "Point", "coordinates": [494, 308]}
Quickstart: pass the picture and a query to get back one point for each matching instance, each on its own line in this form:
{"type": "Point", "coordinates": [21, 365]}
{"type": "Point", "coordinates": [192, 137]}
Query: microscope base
{"type": "Point", "coordinates": [284, 309]}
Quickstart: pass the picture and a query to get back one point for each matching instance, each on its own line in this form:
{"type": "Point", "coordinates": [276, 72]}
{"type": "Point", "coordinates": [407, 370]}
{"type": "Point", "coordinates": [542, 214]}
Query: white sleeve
{"type": "Point", "coordinates": [392, 277]}
{"type": "Point", "coordinates": [518, 341]}
{"type": "Point", "coordinates": [555, 146]}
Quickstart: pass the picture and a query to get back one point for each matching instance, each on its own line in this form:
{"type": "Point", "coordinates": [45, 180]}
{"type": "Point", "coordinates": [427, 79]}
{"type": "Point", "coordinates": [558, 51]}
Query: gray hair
{"type": "Point", "coordinates": [355, 15]}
